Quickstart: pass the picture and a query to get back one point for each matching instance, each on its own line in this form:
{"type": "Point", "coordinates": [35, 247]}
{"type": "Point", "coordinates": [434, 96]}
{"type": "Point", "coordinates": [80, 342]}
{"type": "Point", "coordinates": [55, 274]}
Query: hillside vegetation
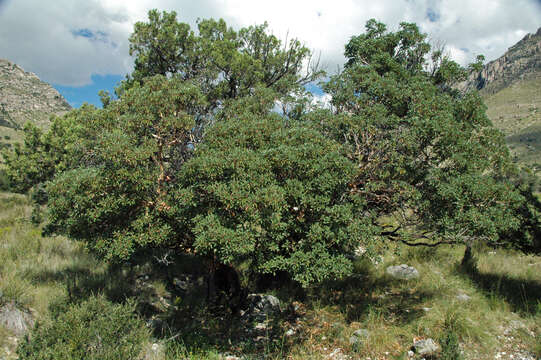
{"type": "Point", "coordinates": [189, 218]}
{"type": "Point", "coordinates": [501, 312]}
{"type": "Point", "coordinates": [516, 110]}
{"type": "Point", "coordinates": [510, 86]}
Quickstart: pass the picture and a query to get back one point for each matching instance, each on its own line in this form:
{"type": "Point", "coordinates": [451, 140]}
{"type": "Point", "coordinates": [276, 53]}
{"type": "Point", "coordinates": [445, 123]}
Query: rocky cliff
{"type": "Point", "coordinates": [511, 88]}
{"type": "Point", "coordinates": [24, 97]}
{"type": "Point", "coordinates": [522, 61]}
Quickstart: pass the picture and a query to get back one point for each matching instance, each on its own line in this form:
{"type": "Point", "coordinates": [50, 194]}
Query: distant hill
{"type": "Point", "coordinates": [24, 97]}
{"type": "Point", "coordinates": [511, 88]}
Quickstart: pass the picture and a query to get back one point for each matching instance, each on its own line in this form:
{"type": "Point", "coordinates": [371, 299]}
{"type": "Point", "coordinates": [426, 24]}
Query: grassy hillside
{"type": "Point", "coordinates": [516, 110]}
{"type": "Point", "coordinates": [501, 312]}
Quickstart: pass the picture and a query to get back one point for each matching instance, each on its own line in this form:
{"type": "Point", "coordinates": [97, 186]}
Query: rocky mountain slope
{"type": "Point", "coordinates": [511, 87]}
{"type": "Point", "coordinates": [24, 97]}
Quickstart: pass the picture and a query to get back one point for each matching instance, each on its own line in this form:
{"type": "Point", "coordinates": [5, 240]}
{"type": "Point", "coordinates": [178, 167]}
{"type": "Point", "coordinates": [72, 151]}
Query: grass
{"type": "Point", "coordinates": [26, 257]}
{"type": "Point", "coordinates": [516, 110]}
{"type": "Point", "coordinates": [42, 273]}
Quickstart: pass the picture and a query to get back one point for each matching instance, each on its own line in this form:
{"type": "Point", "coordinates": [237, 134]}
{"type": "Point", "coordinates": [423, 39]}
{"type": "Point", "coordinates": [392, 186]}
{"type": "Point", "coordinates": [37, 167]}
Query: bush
{"type": "Point", "coordinates": [274, 193]}
{"type": "Point", "coordinates": [4, 181]}
{"type": "Point", "coordinates": [449, 347]}
{"type": "Point", "coordinates": [94, 329]}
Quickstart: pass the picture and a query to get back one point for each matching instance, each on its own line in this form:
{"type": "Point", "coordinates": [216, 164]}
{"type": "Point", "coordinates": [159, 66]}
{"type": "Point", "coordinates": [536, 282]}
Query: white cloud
{"type": "Point", "coordinates": [38, 35]}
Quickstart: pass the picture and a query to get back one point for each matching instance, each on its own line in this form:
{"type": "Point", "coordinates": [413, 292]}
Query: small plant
{"type": "Point", "coordinates": [94, 329]}
{"type": "Point", "coordinates": [449, 347]}
{"type": "Point", "coordinates": [537, 349]}
{"type": "Point", "coordinates": [4, 181]}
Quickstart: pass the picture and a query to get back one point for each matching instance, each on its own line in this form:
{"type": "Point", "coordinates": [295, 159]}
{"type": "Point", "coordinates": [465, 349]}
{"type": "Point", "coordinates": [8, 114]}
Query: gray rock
{"type": "Point", "coordinates": [463, 297]}
{"type": "Point", "coordinates": [337, 354]}
{"type": "Point", "coordinates": [358, 337]}
{"type": "Point", "coordinates": [155, 351]}
{"type": "Point", "coordinates": [15, 320]}
{"type": "Point", "coordinates": [262, 306]}
{"type": "Point", "coordinates": [425, 347]}
{"type": "Point", "coordinates": [184, 283]}
{"type": "Point", "coordinates": [402, 272]}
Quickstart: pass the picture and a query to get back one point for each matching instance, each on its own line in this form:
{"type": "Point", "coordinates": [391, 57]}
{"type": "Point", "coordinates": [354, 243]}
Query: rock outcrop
{"type": "Point", "coordinates": [24, 97]}
{"type": "Point", "coordinates": [521, 61]}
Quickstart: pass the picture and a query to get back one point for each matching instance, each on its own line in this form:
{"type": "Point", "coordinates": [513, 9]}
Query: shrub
{"type": "Point", "coordinates": [275, 193]}
{"type": "Point", "coordinates": [94, 329]}
{"type": "Point", "coordinates": [4, 181]}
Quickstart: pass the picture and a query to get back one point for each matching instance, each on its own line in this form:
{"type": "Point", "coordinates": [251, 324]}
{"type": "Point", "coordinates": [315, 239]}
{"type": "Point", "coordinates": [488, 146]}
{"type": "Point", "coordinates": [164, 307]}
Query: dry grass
{"type": "Point", "coordinates": [516, 110]}
{"type": "Point", "coordinates": [395, 312]}
{"type": "Point", "coordinates": [505, 288]}
{"type": "Point", "coordinates": [33, 268]}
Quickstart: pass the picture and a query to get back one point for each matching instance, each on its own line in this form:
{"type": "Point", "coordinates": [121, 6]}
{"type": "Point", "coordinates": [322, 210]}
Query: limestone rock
{"type": "Point", "coordinates": [426, 347]}
{"type": "Point", "coordinates": [262, 306]}
{"type": "Point", "coordinates": [15, 319]}
{"type": "Point", "coordinates": [24, 97]}
{"type": "Point", "coordinates": [521, 60]}
{"type": "Point", "coordinates": [402, 272]}
{"type": "Point", "coordinates": [358, 337]}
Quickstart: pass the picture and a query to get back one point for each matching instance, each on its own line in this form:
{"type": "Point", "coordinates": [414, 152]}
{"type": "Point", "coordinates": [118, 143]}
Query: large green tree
{"type": "Point", "coordinates": [427, 155]}
{"type": "Point", "coordinates": [283, 193]}
{"type": "Point", "coordinates": [117, 199]}
{"type": "Point", "coordinates": [226, 63]}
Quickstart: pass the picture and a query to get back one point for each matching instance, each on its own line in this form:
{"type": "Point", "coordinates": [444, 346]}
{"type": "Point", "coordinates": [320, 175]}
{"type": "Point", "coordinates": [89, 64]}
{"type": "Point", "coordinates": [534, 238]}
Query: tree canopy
{"type": "Point", "coordinates": [193, 157]}
{"type": "Point", "coordinates": [427, 154]}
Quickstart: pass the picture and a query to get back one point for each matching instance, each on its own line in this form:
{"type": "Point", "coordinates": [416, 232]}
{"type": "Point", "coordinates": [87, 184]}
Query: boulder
{"type": "Point", "coordinates": [402, 272]}
{"type": "Point", "coordinates": [15, 319]}
{"type": "Point", "coordinates": [426, 347]}
{"type": "Point", "coordinates": [463, 297]}
{"type": "Point", "coordinates": [261, 306]}
{"type": "Point", "coordinates": [358, 337]}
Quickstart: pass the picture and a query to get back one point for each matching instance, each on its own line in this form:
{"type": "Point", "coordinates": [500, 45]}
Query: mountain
{"type": "Point", "coordinates": [511, 88]}
{"type": "Point", "coordinates": [24, 97]}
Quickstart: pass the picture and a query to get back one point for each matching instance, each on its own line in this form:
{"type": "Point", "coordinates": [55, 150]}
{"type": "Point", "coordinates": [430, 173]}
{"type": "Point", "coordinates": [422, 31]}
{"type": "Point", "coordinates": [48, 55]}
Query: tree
{"type": "Point", "coordinates": [274, 193]}
{"type": "Point", "coordinates": [227, 64]}
{"type": "Point", "coordinates": [427, 155]}
{"type": "Point", "coordinates": [295, 194]}
{"type": "Point", "coordinates": [117, 199]}
{"type": "Point", "coordinates": [44, 154]}
{"type": "Point", "coordinates": [224, 64]}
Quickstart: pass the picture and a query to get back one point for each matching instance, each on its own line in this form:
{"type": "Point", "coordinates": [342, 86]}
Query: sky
{"type": "Point", "coordinates": [81, 46]}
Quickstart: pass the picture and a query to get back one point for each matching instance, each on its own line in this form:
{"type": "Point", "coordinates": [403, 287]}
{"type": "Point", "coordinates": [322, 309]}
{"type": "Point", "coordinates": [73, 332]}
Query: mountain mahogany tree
{"type": "Point", "coordinates": [427, 156]}
{"type": "Point", "coordinates": [117, 199]}
{"type": "Point", "coordinates": [226, 63]}
{"type": "Point", "coordinates": [223, 63]}
{"type": "Point", "coordinates": [274, 193]}
{"type": "Point", "coordinates": [279, 193]}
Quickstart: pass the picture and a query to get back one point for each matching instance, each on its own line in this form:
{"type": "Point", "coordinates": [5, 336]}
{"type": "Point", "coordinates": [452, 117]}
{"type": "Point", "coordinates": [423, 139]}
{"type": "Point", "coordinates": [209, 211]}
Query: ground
{"type": "Point", "coordinates": [493, 310]}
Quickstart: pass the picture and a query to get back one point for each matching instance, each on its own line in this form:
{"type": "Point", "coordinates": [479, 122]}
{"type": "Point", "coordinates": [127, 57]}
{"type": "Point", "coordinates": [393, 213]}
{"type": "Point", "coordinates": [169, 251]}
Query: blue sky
{"type": "Point", "coordinates": [82, 47]}
{"type": "Point", "coordinates": [77, 95]}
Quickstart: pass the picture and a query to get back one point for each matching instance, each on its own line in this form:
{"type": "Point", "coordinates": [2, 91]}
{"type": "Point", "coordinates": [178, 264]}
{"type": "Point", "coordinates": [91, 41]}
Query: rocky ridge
{"type": "Point", "coordinates": [24, 97]}
{"type": "Point", "coordinates": [521, 61]}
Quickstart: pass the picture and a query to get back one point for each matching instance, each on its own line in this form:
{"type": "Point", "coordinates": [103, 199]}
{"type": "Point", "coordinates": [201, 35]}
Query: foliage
{"type": "Point", "coordinates": [226, 63]}
{"type": "Point", "coordinates": [42, 155]}
{"type": "Point", "coordinates": [191, 156]}
{"type": "Point", "coordinates": [275, 193]}
{"type": "Point", "coordinates": [449, 341]}
{"type": "Point", "coordinates": [117, 201]}
{"type": "Point", "coordinates": [94, 329]}
{"type": "Point", "coordinates": [427, 155]}
{"type": "Point", "coordinates": [4, 181]}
